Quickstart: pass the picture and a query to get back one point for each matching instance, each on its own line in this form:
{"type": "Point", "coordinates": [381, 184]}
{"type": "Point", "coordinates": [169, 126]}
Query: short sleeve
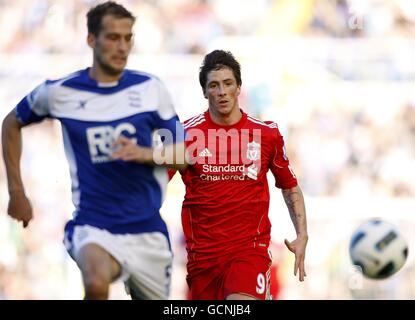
{"type": "Point", "coordinates": [35, 106]}
{"type": "Point", "coordinates": [280, 165]}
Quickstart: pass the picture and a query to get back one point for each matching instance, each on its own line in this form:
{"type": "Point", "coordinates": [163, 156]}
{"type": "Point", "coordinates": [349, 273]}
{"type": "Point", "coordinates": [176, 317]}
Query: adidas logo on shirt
{"type": "Point", "coordinates": [205, 153]}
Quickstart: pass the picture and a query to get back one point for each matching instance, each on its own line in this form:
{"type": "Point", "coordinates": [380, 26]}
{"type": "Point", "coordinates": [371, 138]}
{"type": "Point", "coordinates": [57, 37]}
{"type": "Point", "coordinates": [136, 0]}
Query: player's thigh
{"type": "Point", "coordinates": [96, 251]}
{"type": "Point", "coordinates": [95, 261]}
{"type": "Point", "coordinates": [248, 275]}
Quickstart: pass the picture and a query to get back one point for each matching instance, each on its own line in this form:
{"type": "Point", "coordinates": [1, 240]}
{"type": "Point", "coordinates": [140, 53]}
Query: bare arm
{"type": "Point", "coordinates": [170, 156]}
{"type": "Point", "coordinates": [12, 151]}
{"type": "Point", "coordinates": [295, 203]}
{"type": "Point", "coordinates": [19, 206]}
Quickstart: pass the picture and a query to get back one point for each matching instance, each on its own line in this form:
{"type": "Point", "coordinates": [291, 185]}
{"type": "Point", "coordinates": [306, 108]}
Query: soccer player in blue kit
{"type": "Point", "coordinates": [116, 231]}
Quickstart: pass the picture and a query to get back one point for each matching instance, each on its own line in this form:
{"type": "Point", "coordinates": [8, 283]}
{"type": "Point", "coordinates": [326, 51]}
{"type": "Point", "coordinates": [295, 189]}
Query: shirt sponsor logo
{"type": "Point", "coordinates": [229, 172]}
{"type": "Point", "coordinates": [223, 173]}
{"type": "Point", "coordinates": [207, 168]}
{"type": "Point", "coordinates": [100, 140]}
{"type": "Point", "coordinates": [222, 177]}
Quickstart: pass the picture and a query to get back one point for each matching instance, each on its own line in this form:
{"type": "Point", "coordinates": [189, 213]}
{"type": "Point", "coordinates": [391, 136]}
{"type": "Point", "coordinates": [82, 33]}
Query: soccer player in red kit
{"type": "Point", "coordinates": [225, 210]}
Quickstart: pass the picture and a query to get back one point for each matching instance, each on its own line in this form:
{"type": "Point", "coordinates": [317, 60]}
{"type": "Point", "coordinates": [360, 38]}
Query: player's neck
{"type": "Point", "coordinates": [226, 119]}
{"type": "Point", "coordinates": [97, 73]}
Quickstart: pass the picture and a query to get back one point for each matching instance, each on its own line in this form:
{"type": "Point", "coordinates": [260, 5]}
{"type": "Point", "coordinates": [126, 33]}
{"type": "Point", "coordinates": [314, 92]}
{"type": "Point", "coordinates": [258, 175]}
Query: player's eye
{"type": "Point", "coordinates": [112, 37]}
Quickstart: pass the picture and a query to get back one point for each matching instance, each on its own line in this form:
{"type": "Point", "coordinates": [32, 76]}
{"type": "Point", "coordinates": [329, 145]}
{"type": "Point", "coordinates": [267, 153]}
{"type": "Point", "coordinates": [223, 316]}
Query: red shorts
{"type": "Point", "coordinates": [244, 273]}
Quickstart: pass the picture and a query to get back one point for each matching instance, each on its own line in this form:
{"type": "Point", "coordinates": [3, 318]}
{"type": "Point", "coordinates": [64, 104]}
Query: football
{"type": "Point", "coordinates": [378, 249]}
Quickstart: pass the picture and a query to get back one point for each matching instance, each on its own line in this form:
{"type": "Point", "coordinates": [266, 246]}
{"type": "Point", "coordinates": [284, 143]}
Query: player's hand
{"type": "Point", "coordinates": [127, 150]}
{"type": "Point", "coordinates": [298, 247]}
{"type": "Point", "coordinates": [19, 207]}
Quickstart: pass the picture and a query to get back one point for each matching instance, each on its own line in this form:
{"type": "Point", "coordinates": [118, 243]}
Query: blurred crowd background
{"type": "Point", "coordinates": [188, 26]}
{"type": "Point", "coordinates": [337, 76]}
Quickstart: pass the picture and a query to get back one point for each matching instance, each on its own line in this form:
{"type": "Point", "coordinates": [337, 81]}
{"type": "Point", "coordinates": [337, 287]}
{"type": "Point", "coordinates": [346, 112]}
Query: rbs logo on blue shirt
{"type": "Point", "coordinates": [101, 138]}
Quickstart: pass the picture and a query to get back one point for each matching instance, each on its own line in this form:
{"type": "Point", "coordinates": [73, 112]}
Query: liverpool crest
{"type": "Point", "coordinates": [253, 151]}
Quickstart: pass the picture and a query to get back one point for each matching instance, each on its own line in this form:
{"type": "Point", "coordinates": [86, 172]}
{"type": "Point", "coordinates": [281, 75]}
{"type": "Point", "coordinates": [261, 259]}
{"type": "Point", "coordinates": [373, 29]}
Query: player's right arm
{"type": "Point", "coordinates": [32, 108]}
{"type": "Point", "coordinates": [19, 207]}
{"type": "Point", "coordinates": [171, 156]}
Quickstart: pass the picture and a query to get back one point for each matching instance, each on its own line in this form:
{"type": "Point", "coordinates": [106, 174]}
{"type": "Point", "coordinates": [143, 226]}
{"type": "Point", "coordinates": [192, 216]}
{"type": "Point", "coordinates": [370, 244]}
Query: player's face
{"type": "Point", "coordinates": [222, 92]}
{"type": "Point", "coordinates": [113, 44]}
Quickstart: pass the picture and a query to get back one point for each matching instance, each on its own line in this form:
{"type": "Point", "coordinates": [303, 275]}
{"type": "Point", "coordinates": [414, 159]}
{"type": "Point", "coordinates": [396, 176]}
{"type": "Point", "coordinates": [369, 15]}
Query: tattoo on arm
{"type": "Point", "coordinates": [295, 203]}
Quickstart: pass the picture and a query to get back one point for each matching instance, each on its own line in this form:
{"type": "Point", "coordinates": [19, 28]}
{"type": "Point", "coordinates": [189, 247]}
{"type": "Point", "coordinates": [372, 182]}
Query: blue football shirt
{"type": "Point", "coordinates": [121, 197]}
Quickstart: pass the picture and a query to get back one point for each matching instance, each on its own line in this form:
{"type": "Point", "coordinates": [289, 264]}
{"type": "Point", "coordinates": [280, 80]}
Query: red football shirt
{"type": "Point", "coordinates": [225, 209]}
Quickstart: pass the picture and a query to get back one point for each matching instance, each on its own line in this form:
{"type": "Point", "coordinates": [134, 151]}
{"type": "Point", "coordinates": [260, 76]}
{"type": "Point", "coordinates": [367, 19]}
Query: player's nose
{"type": "Point", "coordinates": [222, 90]}
{"type": "Point", "coordinates": [122, 45]}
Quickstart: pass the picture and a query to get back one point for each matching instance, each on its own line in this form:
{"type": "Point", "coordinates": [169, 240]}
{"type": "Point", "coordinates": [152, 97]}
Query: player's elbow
{"type": "Point", "coordinates": [290, 190]}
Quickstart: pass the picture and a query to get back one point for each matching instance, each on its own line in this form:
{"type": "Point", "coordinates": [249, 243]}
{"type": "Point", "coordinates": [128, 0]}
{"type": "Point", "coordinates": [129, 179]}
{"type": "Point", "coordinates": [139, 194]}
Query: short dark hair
{"type": "Point", "coordinates": [95, 15]}
{"type": "Point", "coordinates": [216, 60]}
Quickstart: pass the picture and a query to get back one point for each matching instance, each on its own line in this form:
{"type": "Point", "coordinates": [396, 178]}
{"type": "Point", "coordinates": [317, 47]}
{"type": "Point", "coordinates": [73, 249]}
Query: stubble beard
{"type": "Point", "coordinates": [108, 69]}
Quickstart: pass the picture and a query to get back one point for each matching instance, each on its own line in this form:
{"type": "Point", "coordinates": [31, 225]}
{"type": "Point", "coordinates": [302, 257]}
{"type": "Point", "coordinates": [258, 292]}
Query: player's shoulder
{"type": "Point", "coordinates": [195, 122]}
{"type": "Point", "coordinates": [139, 75]}
{"type": "Point", "coordinates": [268, 127]}
{"type": "Point", "coordinates": [53, 83]}
{"type": "Point", "coordinates": [51, 86]}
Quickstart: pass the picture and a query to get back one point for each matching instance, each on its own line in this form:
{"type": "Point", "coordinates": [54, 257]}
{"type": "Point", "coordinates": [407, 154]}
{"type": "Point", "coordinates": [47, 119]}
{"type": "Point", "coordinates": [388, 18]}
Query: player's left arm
{"type": "Point", "coordinates": [293, 197]}
{"type": "Point", "coordinates": [294, 200]}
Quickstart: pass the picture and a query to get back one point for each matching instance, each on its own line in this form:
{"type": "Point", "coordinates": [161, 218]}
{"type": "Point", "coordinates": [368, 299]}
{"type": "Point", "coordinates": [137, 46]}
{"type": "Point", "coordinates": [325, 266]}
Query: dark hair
{"type": "Point", "coordinates": [95, 15]}
{"type": "Point", "coordinates": [216, 60]}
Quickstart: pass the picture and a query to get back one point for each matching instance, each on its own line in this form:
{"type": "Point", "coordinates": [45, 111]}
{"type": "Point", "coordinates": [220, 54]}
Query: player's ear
{"type": "Point", "coordinates": [91, 40]}
{"type": "Point", "coordinates": [238, 91]}
{"type": "Point", "coordinates": [204, 93]}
